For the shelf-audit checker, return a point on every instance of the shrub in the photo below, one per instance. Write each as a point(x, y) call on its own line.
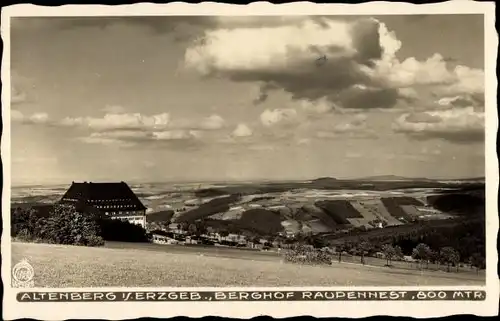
point(67, 226)
point(24, 235)
point(64, 225)
point(24, 220)
point(95, 240)
point(304, 254)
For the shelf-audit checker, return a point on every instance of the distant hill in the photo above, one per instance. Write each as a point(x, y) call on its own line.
point(419, 179)
point(324, 179)
point(325, 182)
point(470, 179)
point(394, 178)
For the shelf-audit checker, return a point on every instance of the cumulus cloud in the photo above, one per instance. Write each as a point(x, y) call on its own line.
point(130, 138)
point(33, 119)
point(138, 121)
point(120, 121)
point(460, 101)
point(211, 123)
point(242, 130)
point(284, 117)
point(176, 135)
point(131, 129)
point(361, 70)
point(285, 58)
point(459, 125)
point(137, 129)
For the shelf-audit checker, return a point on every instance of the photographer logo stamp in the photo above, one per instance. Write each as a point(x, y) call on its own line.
point(22, 275)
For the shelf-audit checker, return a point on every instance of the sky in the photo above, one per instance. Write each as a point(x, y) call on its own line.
point(152, 99)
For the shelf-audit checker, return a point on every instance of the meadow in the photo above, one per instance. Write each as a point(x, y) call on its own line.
point(115, 266)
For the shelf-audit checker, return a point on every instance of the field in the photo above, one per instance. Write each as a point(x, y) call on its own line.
point(320, 206)
point(126, 265)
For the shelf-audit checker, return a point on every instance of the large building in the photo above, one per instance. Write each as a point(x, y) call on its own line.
point(115, 200)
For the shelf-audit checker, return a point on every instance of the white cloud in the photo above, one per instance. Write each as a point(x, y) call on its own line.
point(212, 122)
point(249, 50)
point(362, 70)
point(125, 121)
point(286, 116)
point(175, 135)
point(126, 129)
point(242, 130)
point(39, 118)
point(457, 124)
point(138, 121)
point(130, 138)
point(33, 119)
point(95, 138)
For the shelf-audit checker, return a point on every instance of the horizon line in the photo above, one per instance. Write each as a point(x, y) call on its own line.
point(262, 180)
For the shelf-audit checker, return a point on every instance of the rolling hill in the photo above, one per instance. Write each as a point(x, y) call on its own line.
point(273, 212)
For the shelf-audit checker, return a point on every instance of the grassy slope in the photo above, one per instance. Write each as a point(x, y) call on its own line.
point(67, 266)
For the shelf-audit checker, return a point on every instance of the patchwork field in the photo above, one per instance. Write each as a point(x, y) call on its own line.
point(324, 206)
point(149, 266)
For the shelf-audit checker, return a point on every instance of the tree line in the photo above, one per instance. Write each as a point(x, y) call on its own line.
point(423, 254)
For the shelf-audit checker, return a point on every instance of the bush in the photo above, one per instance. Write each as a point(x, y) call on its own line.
point(24, 235)
point(64, 225)
point(23, 220)
point(95, 240)
point(67, 226)
point(304, 254)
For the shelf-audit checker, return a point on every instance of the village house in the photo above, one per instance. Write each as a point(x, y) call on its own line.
point(162, 239)
point(115, 200)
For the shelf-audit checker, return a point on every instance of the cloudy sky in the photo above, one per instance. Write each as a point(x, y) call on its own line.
point(245, 98)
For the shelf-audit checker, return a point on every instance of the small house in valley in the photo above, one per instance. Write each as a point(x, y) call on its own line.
point(115, 200)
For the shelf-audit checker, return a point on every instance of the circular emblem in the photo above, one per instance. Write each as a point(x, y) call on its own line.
point(23, 272)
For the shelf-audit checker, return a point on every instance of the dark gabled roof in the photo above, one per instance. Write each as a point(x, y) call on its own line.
point(103, 193)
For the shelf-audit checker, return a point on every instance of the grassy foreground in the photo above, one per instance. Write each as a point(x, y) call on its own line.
point(70, 266)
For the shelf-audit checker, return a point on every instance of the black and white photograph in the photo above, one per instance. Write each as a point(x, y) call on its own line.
point(249, 151)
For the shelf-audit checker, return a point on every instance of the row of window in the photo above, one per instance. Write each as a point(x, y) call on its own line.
point(123, 213)
point(135, 219)
point(139, 221)
point(111, 200)
point(115, 206)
